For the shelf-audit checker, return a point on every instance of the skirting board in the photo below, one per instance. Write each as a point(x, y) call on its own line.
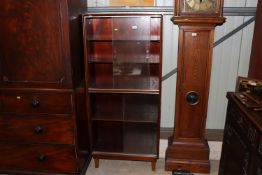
point(210, 134)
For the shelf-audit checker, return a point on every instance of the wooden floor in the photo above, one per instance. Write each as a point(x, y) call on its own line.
point(115, 167)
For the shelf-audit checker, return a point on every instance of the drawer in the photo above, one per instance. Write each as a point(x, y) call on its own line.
point(33, 102)
point(45, 158)
point(20, 128)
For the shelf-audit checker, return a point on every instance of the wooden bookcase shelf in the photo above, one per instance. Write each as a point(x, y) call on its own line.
point(123, 61)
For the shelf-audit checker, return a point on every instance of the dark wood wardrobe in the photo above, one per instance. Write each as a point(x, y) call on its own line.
point(43, 126)
point(256, 53)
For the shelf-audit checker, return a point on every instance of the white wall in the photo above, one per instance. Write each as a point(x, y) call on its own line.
point(170, 51)
point(230, 59)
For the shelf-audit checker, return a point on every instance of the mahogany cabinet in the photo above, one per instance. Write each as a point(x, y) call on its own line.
point(242, 145)
point(43, 125)
point(123, 85)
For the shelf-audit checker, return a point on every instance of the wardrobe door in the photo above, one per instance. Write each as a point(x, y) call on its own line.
point(34, 47)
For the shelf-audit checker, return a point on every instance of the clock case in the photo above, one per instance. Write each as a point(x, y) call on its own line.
point(187, 148)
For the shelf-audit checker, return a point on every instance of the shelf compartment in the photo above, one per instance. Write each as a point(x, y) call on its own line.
point(100, 52)
point(136, 108)
point(131, 28)
point(99, 28)
point(147, 83)
point(141, 108)
point(107, 136)
point(140, 138)
point(124, 76)
point(108, 28)
point(101, 76)
point(107, 107)
point(125, 84)
point(136, 76)
point(125, 138)
point(124, 52)
point(136, 52)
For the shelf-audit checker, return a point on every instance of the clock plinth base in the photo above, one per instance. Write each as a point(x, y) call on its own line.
point(186, 155)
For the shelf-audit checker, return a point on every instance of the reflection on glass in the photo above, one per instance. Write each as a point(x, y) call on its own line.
point(124, 52)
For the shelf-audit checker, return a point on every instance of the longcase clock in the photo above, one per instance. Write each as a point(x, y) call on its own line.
point(188, 149)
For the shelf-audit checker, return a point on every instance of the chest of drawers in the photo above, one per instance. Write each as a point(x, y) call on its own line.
point(43, 122)
point(39, 132)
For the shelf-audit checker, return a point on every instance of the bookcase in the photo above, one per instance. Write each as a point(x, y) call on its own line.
point(123, 60)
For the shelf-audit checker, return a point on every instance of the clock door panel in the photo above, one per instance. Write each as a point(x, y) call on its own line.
point(193, 79)
point(32, 50)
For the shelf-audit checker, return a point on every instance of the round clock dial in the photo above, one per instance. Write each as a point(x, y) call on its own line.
point(200, 5)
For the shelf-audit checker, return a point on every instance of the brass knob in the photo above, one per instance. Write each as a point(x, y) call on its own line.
point(192, 98)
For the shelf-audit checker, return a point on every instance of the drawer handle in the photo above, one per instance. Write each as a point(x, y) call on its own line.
point(41, 158)
point(38, 130)
point(35, 103)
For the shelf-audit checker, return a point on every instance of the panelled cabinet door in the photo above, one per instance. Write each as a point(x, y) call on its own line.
point(33, 47)
point(193, 81)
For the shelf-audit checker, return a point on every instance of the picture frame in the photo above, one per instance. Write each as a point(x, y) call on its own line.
point(131, 2)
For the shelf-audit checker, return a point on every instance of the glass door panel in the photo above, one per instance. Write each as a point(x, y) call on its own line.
point(135, 28)
point(131, 52)
point(99, 28)
point(99, 52)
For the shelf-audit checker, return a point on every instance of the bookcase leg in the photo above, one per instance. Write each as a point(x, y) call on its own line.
point(96, 163)
point(153, 166)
